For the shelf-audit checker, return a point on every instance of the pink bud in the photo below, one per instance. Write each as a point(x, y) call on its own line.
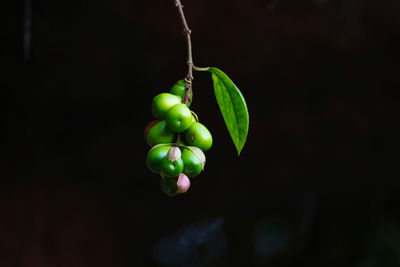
point(183, 183)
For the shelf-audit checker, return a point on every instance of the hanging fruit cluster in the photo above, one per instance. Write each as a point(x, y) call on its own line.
point(177, 139)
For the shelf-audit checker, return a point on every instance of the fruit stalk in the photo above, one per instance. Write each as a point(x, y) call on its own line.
point(187, 32)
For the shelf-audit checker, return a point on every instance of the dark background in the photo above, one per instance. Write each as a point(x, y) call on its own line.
point(317, 183)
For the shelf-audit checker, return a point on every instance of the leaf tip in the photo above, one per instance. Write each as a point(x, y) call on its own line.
point(239, 150)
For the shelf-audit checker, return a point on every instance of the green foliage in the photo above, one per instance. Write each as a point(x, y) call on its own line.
point(233, 107)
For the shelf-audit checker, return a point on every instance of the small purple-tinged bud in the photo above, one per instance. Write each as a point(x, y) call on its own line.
point(183, 183)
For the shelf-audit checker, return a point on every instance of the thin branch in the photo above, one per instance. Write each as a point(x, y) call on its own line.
point(189, 75)
point(187, 32)
point(200, 68)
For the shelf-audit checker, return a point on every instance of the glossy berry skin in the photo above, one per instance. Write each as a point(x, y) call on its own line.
point(171, 169)
point(192, 164)
point(179, 118)
point(181, 82)
point(163, 102)
point(180, 89)
point(155, 156)
point(160, 134)
point(148, 127)
point(169, 186)
point(198, 135)
point(193, 119)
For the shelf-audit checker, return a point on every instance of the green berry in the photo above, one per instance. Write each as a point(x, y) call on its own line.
point(180, 89)
point(198, 135)
point(160, 134)
point(181, 82)
point(171, 169)
point(192, 164)
point(179, 118)
point(169, 186)
point(163, 102)
point(154, 157)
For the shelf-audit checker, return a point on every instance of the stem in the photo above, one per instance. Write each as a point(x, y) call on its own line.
point(178, 140)
point(201, 69)
point(189, 76)
point(187, 32)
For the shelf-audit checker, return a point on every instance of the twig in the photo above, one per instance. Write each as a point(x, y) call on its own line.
point(189, 75)
point(187, 32)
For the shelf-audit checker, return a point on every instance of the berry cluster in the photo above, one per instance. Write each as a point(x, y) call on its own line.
point(177, 139)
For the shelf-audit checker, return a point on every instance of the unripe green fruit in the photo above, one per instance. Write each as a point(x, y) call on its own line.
point(181, 82)
point(163, 102)
point(148, 127)
point(169, 186)
point(198, 135)
point(171, 169)
point(193, 119)
point(160, 134)
point(180, 89)
point(179, 118)
point(192, 164)
point(154, 157)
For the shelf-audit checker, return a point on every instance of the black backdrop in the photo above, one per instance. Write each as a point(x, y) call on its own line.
point(316, 184)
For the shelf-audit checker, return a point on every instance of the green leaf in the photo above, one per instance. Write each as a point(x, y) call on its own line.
point(233, 107)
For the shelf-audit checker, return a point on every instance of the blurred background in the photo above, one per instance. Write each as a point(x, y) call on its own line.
point(317, 183)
